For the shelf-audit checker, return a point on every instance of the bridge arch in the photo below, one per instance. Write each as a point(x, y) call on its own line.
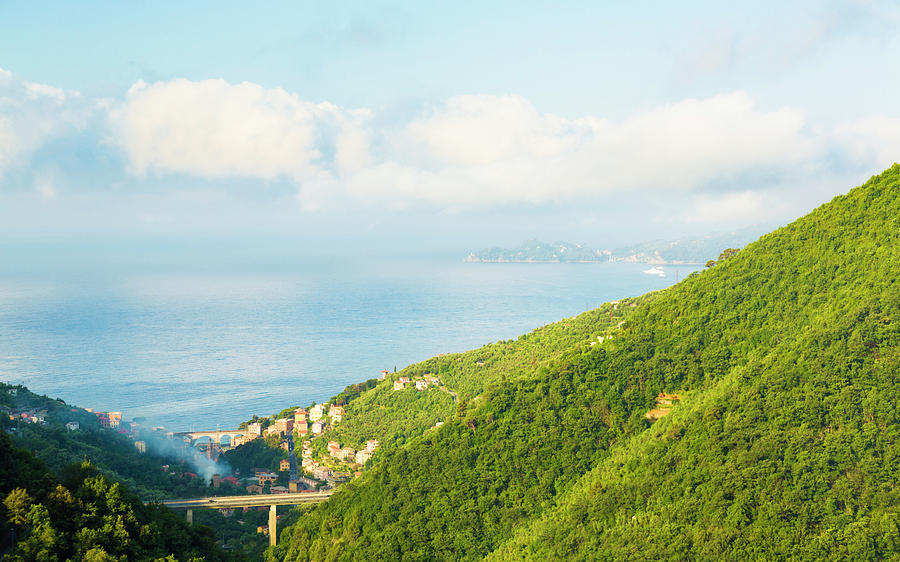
point(221, 437)
point(227, 439)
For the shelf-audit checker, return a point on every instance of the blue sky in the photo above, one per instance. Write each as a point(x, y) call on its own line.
point(431, 127)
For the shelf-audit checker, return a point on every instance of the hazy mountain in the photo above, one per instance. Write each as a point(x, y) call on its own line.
point(684, 250)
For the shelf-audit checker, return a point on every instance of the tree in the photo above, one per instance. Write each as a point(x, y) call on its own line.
point(18, 504)
point(727, 253)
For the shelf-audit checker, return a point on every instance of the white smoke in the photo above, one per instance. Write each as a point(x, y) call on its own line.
point(177, 449)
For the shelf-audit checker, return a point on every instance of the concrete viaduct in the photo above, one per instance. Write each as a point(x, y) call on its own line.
point(256, 500)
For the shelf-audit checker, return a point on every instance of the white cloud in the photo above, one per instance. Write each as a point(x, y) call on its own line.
point(483, 130)
point(214, 129)
point(35, 91)
point(32, 114)
point(494, 150)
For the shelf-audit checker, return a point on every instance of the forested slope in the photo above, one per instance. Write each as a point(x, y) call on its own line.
point(785, 357)
point(82, 515)
point(794, 452)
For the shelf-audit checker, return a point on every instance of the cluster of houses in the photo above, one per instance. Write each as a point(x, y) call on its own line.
point(32, 415)
point(107, 419)
point(311, 422)
point(421, 383)
point(315, 422)
point(349, 454)
point(39, 416)
point(338, 454)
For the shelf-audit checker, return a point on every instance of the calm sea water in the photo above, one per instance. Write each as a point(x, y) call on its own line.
point(192, 351)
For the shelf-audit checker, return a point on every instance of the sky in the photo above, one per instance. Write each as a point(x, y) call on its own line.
point(205, 132)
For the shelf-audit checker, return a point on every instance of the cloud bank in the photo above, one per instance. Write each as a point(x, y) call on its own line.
point(472, 151)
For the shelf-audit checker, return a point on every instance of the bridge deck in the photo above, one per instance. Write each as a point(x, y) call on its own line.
point(210, 432)
point(255, 500)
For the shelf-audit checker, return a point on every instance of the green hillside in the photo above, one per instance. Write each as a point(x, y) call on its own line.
point(396, 417)
point(782, 444)
point(82, 515)
point(792, 450)
point(37, 457)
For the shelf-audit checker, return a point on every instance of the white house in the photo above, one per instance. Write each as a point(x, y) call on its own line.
point(317, 412)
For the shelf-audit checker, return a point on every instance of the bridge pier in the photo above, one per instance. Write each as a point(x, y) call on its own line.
point(255, 500)
point(273, 521)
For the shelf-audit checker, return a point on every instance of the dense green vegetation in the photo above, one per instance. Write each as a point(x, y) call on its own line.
point(110, 453)
point(255, 454)
point(82, 515)
point(390, 416)
point(783, 445)
point(791, 448)
point(455, 493)
point(57, 450)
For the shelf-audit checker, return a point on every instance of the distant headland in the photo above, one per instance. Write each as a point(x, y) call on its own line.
point(659, 252)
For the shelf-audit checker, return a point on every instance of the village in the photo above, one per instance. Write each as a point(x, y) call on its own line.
point(339, 462)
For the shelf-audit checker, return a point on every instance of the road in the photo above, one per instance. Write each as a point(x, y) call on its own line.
point(252, 500)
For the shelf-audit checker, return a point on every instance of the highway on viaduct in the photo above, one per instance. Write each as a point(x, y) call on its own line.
point(255, 500)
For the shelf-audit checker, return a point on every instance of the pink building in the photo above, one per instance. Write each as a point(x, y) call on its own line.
point(284, 425)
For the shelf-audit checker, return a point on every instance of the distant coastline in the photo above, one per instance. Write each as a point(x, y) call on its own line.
point(650, 261)
point(685, 251)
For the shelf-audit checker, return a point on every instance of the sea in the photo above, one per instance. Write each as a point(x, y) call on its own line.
point(207, 350)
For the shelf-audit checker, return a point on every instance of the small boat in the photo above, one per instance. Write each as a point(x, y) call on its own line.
point(655, 271)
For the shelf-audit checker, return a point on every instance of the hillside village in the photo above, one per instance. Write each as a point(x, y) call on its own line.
point(322, 464)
